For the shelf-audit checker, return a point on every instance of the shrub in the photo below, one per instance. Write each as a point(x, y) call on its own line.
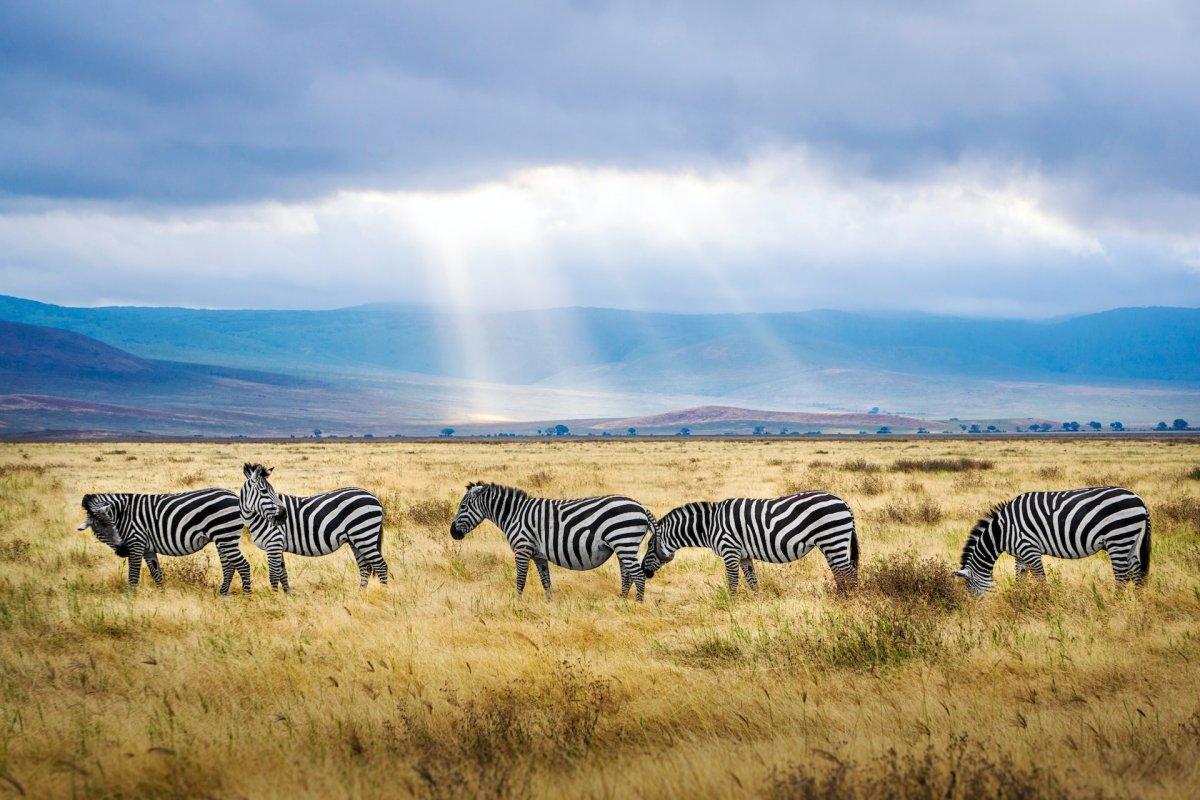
point(919, 511)
point(907, 578)
point(431, 513)
point(186, 570)
point(872, 485)
point(540, 479)
point(941, 465)
point(860, 465)
point(958, 771)
point(1182, 508)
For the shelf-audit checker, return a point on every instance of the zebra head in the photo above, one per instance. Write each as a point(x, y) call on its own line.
point(472, 510)
point(975, 567)
point(102, 519)
point(259, 498)
point(658, 551)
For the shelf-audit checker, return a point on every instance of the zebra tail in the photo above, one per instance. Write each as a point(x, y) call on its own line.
point(854, 546)
point(1144, 550)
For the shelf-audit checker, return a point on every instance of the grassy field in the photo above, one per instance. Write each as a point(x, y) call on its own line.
point(444, 684)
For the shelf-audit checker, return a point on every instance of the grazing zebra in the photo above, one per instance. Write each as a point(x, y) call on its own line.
point(576, 534)
point(1069, 524)
point(777, 530)
point(312, 526)
point(141, 527)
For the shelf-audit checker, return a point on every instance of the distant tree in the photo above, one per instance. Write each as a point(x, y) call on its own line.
point(685, 432)
point(1019, 429)
point(1116, 426)
point(976, 429)
point(874, 410)
point(1070, 426)
point(561, 430)
point(921, 431)
point(883, 430)
point(539, 431)
point(447, 431)
point(631, 431)
point(1162, 426)
point(1180, 425)
point(992, 429)
point(783, 431)
point(606, 433)
point(1095, 425)
point(368, 436)
point(759, 430)
point(317, 433)
point(963, 427)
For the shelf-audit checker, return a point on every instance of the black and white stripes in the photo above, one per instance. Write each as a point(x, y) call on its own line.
point(778, 530)
point(1069, 524)
point(576, 534)
point(141, 527)
point(312, 526)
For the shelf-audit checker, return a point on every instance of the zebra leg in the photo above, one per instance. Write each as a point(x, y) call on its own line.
point(837, 556)
point(732, 563)
point(543, 569)
point(1122, 562)
point(232, 561)
point(278, 570)
point(364, 567)
point(1032, 563)
point(748, 571)
point(380, 567)
point(522, 559)
point(135, 566)
point(155, 570)
point(631, 572)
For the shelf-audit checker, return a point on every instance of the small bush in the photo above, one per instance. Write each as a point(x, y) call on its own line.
point(919, 511)
point(431, 513)
point(872, 484)
point(907, 578)
point(1181, 508)
point(961, 770)
point(186, 570)
point(1050, 473)
point(860, 465)
point(540, 479)
point(190, 479)
point(1193, 474)
point(941, 465)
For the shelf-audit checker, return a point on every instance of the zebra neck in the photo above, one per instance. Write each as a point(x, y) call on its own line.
point(504, 510)
point(986, 548)
point(697, 533)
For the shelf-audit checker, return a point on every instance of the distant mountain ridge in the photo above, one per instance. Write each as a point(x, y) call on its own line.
point(1132, 364)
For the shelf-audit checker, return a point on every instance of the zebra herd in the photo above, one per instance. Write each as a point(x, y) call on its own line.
point(582, 534)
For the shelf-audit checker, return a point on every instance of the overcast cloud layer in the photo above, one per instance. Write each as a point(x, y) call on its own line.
point(946, 157)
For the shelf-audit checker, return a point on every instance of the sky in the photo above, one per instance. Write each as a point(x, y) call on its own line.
point(1003, 159)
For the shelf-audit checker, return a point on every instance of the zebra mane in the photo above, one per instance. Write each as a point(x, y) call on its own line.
point(498, 486)
point(977, 531)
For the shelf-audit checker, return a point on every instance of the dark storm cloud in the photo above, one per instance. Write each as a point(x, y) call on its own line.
point(186, 103)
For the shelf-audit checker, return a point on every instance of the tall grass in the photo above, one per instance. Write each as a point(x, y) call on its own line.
point(444, 684)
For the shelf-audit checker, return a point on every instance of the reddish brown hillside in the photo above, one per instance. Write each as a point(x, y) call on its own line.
point(702, 415)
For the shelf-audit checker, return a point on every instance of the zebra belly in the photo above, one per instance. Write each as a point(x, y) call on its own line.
point(185, 546)
point(587, 558)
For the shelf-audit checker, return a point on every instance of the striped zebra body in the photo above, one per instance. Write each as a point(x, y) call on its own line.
point(779, 530)
point(313, 526)
point(1069, 524)
point(576, 534)
point(141, 527)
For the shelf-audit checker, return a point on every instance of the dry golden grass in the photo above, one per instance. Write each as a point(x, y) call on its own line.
point(445, 685)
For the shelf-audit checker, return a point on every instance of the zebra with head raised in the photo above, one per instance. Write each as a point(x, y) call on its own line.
point(1070, 524)
point(141, 527)
point(576, 534)
point(312, 526)
point(779, 530)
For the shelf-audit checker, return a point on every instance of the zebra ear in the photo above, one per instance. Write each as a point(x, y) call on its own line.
point(247, 470)
point(267, 471)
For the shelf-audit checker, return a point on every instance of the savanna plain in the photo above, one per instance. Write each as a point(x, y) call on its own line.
point(445, 684)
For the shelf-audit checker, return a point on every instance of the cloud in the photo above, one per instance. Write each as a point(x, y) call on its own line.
point(780, 232)
point(1028, 158)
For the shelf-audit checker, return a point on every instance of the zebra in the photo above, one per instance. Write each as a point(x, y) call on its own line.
point(777, 530)
point(312, 526)
point(141, 527)
point(576, 534)
point(1068, 524)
